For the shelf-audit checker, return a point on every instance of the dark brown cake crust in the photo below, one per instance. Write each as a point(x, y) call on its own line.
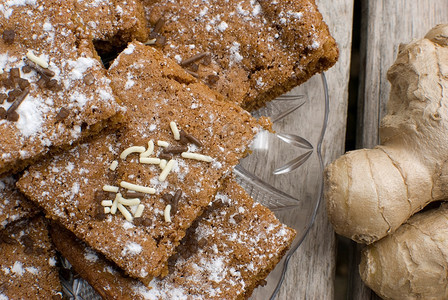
point(63, 91)
point(254, 50)
point(28, 262)
point(225, 254)
point(13, 205)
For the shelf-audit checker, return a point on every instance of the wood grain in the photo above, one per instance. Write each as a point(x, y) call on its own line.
point(311, 272)
point(385, 24)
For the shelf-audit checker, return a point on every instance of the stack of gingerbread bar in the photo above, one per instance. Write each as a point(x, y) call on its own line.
point(131, 164)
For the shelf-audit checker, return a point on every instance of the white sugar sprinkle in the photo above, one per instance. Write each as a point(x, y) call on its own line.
point(125, 212)
point(107, 203)
point(150, 160)
point(110, 188)
point(162, 144)
point(197, 156)
point(132, 149)
point(137, 188)
point(166, 170)
point(139, 211)
point(166, 213)
point(38, 60)
point(175, 130)
point(148, 151)
point(113, 166)
point(129, 202)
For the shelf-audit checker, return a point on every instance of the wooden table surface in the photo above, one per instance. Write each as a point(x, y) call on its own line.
point(384, 25)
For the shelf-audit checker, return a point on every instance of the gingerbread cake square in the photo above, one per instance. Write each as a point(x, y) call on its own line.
point(264, 48)
point(112, 21)
point(28, 262)
point(155, 176)
point(225, 255)
point(53, 88)
point(13, 205)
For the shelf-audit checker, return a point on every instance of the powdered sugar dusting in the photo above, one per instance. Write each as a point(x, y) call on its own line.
point(17, 268)
point(31, 118)
point(80, 66)
point(90, 255)
point(131, 249)
point(129, 49)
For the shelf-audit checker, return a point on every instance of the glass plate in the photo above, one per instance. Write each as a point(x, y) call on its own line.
point(284, 173)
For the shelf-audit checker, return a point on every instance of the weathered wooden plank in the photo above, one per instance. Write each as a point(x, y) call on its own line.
point(385, 24)
point(311, 272)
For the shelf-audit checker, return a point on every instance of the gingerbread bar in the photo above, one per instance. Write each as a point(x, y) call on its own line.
point(250, 51)
point(132, 195)
point(225, 255)
point(113, 21)
point(111, 24)
point(13, 205)
point(53, 88)
point(28, 262)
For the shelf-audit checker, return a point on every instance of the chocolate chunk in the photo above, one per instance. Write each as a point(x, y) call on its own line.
point(62, 114)
point(23, 83)
point(2, 113)
point(194, 67)
point(142, 222)
point(262, 282)
point(193, 59)
point(8, 83)
point(167, 197)
point(12, 95)
point(160, 41)
point(3, 97)
point(202, 243)
point(17, 102)
point(89, 79)
point(26, 69)
point(56, 297)
point(157, 28)
point(14, 74)
point(12, 116)
point(56, 88)
point(165, 156)
point(183, 138)
point(238, 218)
point(175, 149)
point(190, 138)
point(175, 201)
point(53, 85)
point(9, 36)
point(99, 214)
point(42, 82)
point(212, 79)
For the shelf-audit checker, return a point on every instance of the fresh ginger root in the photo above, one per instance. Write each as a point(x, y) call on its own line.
point(412, 263)
point(370, 193)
